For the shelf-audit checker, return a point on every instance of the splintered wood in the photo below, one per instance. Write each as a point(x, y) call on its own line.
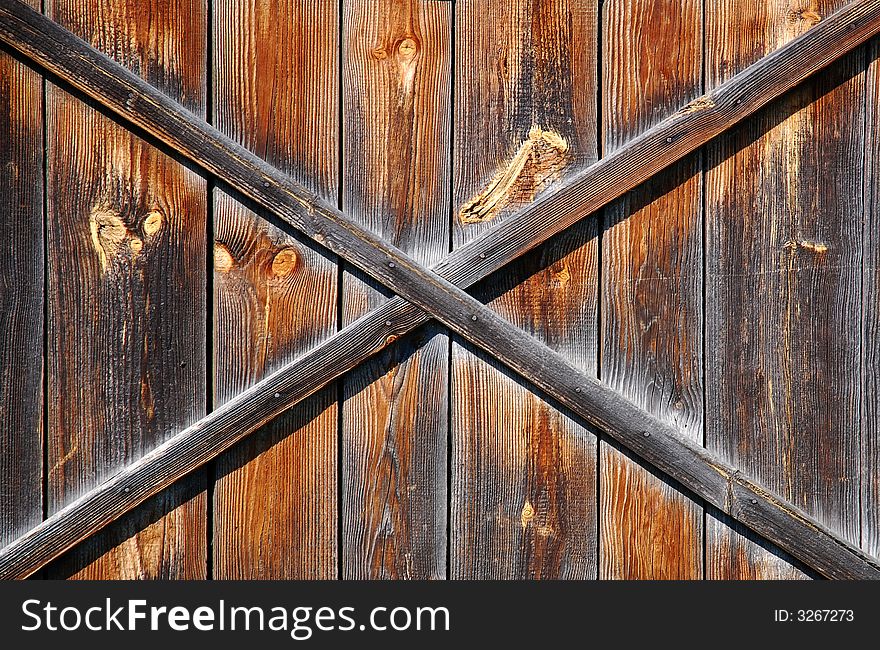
point(538, 161)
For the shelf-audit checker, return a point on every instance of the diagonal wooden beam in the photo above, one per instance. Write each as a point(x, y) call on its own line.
point(693, 466)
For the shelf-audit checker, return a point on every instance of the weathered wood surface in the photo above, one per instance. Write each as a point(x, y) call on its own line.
point(778, 522)
point(652, 289)
point(784, 300)
point(275, 86)
point(126, 279)
point(21, 297)
point(523, 491)
point(396, 101)
point(870, 478)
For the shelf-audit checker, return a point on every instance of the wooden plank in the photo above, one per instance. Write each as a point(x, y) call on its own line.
point(21, 297)
point(126, 256)
point(658, 443)
point(128, 96)
point(396, 99)
point(783, 284)
point(652, 289)
point(275, 87)
point(523, 472)
point(870, 479)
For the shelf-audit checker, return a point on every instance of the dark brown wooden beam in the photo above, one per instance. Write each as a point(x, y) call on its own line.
point(698, 470)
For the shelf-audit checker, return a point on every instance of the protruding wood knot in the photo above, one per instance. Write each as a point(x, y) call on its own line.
point(110, 235)
point(223, 260)
point(284, 262)
point(537, 162)
point(379, 53)
point(407, 49)
point(527, 514)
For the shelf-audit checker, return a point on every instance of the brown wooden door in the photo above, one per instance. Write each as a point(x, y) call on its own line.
point(164, 292)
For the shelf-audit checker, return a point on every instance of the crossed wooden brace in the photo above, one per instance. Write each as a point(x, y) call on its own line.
point(438, 292)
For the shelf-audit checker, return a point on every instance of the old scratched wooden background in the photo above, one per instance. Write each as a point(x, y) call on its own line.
point(734, 295)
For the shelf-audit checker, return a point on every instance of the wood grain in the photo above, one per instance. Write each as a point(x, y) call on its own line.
point(396, 99)
point(523, 472)
point(126, 256)
point(21, 297)
point(870, 461)
point(784, 253)
point(660, 444)
point(275, 91)
point(652, 289)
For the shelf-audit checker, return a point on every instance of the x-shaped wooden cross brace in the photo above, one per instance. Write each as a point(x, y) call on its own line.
point(438, 293)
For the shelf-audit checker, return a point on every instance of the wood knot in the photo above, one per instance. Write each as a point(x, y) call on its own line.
point(808, 14)
point(537, 162)
point(223, 260)
point(527, 514)
point(284, 262)
point(109, 234)
point(817, 247)
point(407, 48)
point(561, 278)
point(379, 53)
point(152, 223)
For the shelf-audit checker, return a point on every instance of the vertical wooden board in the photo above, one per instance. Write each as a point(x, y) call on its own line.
point(784, 247)
point(126, 255)
point(523, 493)
point(275, 85)
point(396, 99)
point(870, 478)
point(21, 297)
point(652, 289)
